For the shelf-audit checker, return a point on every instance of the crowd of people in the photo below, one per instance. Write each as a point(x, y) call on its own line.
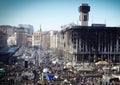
point(35, 74)
point(70, 75)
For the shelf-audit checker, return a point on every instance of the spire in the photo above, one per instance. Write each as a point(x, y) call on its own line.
point(40, 29)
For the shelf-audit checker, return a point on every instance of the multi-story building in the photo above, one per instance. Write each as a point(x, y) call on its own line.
point(49, 40)
point(36, 39)
point(3, 37)
point(45, 40)
point(12, 40)
point(90, 43)
point(53, 39)
point(28, 28)
point(10, 30)
point(29, 40)
point(59, 50)
point(21, 37)
point(28, 34)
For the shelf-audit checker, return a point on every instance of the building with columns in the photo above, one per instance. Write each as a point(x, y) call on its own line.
point(91, 43)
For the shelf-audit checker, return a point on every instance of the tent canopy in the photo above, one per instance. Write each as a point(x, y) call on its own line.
point(2, 70)
point(50, 77)
point(101, 63)
point(45, 70)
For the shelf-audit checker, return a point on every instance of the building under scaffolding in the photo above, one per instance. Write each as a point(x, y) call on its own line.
point(91, 43)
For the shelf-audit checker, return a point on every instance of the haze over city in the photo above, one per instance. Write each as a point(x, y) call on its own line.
point(52, 14)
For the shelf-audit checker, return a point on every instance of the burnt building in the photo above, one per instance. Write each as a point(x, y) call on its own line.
point(91, 43)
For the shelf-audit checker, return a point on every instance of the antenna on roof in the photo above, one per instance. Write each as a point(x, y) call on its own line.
point(105, 21)
point(77, 22)
point(92, 19)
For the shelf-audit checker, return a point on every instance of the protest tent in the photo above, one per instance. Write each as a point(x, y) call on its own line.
point(101, 63)
point(45, 70)
point(50, 77)
point(2, 70)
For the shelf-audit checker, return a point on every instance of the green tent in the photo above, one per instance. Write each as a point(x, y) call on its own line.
point(2, 70)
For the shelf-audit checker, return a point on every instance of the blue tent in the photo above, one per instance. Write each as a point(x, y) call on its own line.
point(50, 77)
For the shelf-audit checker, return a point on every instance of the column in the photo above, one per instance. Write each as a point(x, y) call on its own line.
point(111, 43)
point(73, 59)
point(76, 45)
point(105, 43)
point(117, 44)
point(98, 41)
point(80, 44)
point(119, 58)
point(76, 58)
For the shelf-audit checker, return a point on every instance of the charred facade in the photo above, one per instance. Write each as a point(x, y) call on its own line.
point(91, 43)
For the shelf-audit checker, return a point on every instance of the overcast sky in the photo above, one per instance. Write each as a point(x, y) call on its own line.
point(52, 14)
